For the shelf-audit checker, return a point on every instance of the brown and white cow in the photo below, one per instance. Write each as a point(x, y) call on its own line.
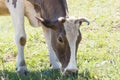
point(62, 33)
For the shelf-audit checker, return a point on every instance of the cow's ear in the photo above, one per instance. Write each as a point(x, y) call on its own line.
point(80, 20)
point(47, 23)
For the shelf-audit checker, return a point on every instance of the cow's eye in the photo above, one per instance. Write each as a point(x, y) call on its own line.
point(60, 40)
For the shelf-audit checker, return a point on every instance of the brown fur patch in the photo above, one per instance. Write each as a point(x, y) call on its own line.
point(14, 3)
point(22, 41)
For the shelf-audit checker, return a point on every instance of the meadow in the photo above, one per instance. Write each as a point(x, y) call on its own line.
point(98, 55)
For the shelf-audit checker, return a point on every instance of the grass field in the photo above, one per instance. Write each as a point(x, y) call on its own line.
point(98, 53)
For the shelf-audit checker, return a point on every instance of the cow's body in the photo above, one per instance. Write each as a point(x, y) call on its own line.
point(62, 35)
point(29, 11)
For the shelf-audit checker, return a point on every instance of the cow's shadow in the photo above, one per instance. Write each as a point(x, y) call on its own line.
point(42, 75)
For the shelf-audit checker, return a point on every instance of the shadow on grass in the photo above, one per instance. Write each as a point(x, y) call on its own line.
point(43, 75)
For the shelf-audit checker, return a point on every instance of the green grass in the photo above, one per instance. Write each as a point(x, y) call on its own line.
point(98, 53)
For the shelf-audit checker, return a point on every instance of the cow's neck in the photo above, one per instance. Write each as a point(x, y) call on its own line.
point(52, 9)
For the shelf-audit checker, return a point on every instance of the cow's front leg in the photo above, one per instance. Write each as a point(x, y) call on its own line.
point(53, 58)
point(17, 13)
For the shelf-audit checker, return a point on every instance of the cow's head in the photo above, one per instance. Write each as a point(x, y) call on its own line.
point(66, 37)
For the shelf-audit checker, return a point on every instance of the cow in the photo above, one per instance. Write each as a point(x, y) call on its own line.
point(61, 32)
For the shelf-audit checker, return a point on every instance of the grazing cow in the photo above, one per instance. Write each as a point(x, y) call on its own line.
point(61, 32)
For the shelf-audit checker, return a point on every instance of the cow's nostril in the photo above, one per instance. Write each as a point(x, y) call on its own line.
point(71, 72)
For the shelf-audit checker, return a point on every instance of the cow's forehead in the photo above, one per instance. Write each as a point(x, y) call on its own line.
point(71, 29)
point(70, 26)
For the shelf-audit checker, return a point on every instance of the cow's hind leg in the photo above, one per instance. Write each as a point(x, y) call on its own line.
point(17, 13)
point(53, 58)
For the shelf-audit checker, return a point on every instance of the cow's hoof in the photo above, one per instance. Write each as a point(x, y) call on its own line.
point(22, 71)
point(70, 72)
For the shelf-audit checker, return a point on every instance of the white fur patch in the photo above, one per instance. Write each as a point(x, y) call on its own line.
point(17, 14)
point(71, 34)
